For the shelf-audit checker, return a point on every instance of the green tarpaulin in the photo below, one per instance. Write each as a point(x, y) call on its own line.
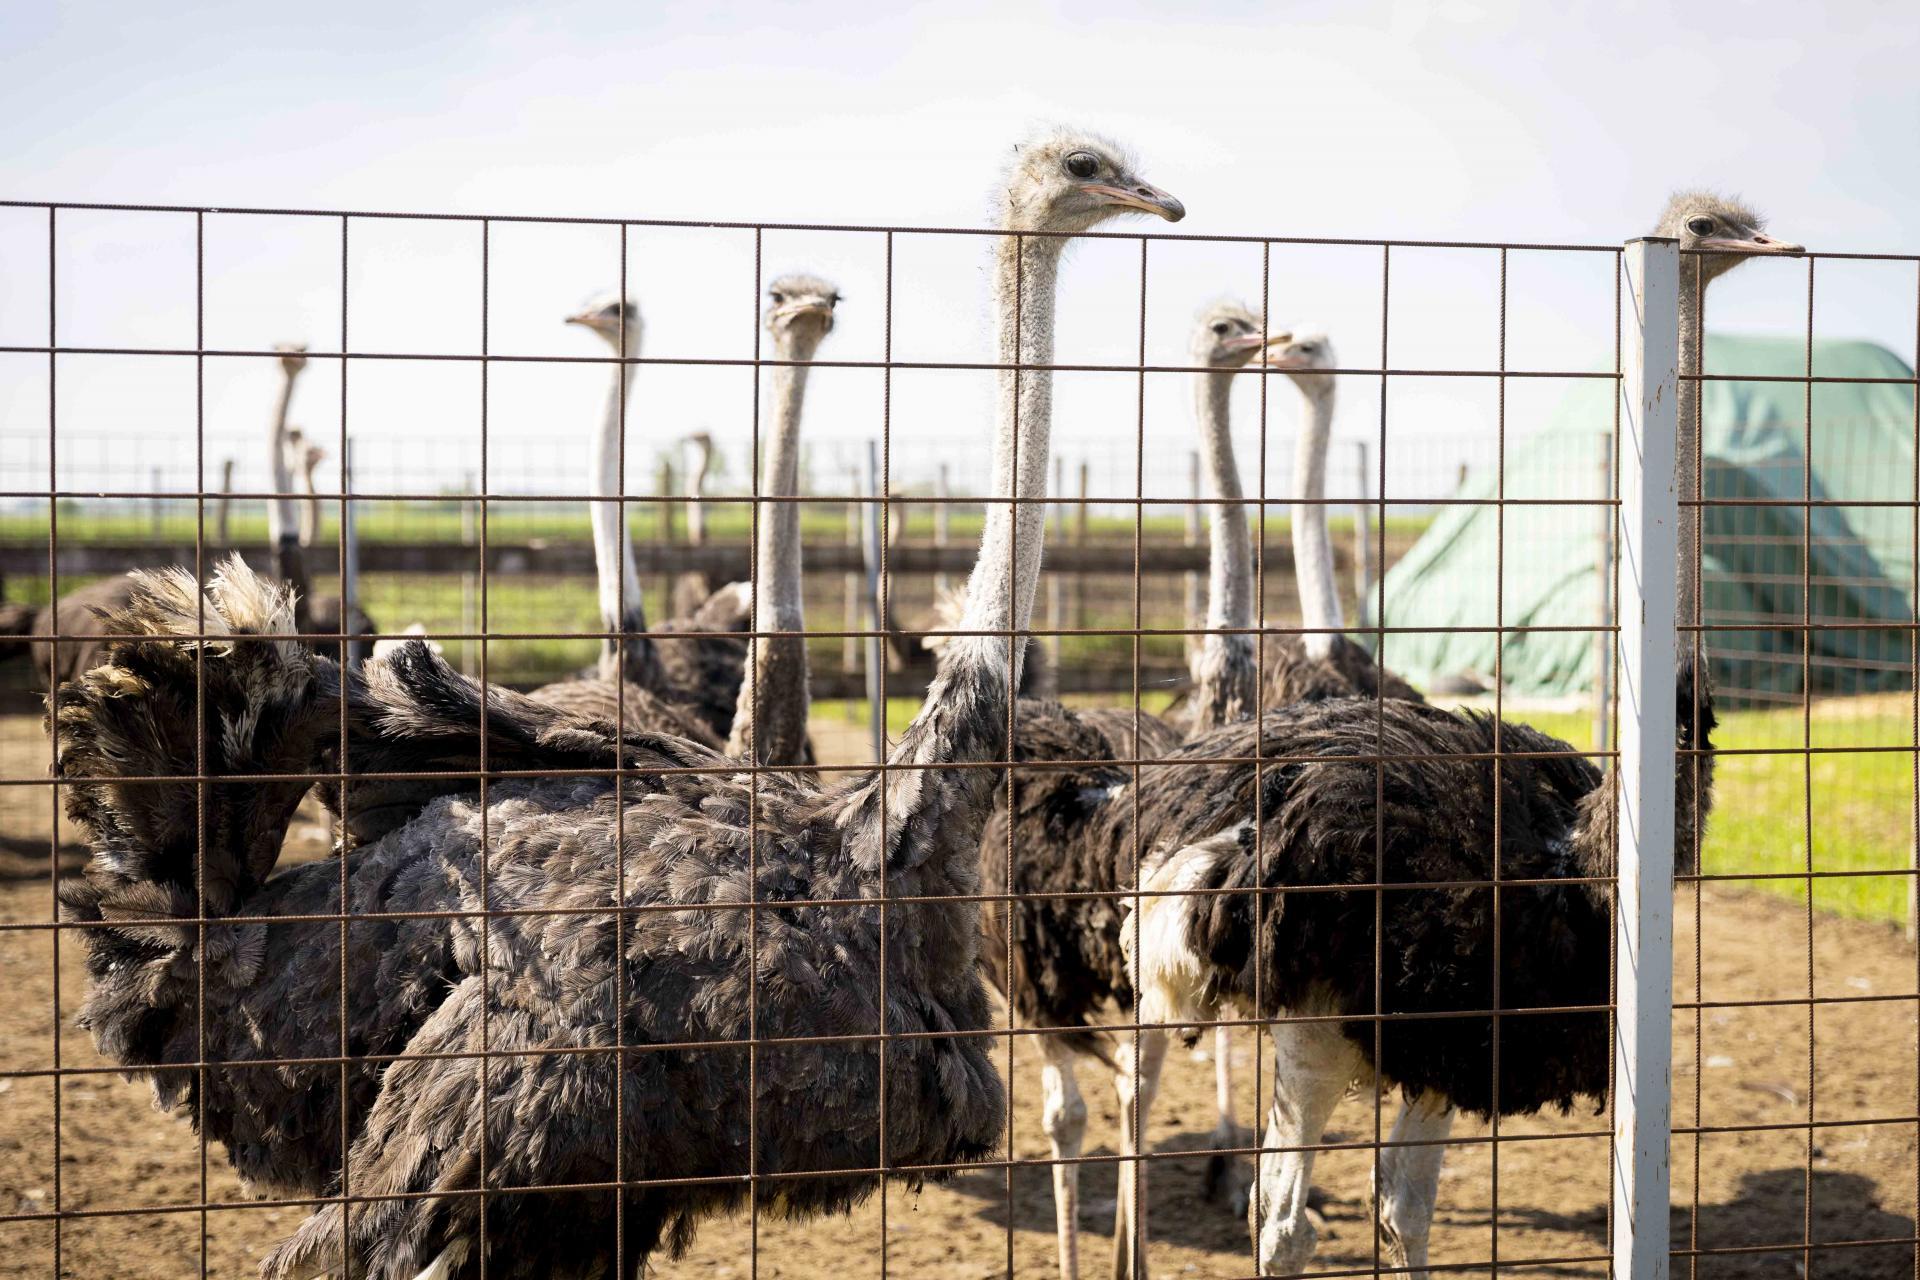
point(1861, 563)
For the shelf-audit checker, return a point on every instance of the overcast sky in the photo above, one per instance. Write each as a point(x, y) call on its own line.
point(1415, 121)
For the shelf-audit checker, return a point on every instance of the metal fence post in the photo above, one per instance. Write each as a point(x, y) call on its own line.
point(1643, 922)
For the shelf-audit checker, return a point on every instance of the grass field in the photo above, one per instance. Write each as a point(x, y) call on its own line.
point(176, 520)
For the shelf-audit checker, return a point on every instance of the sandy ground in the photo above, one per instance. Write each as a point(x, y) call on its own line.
point(1542, 1200)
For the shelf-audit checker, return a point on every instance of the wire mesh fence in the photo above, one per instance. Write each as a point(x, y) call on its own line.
point(801, 959)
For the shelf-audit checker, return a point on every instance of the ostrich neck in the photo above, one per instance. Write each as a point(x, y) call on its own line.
point(1312, 544)
point(1001, 590)
point(282, 520)
point(1226, 679)
point(1687, 446)
point(772, 710)
point(619, 578)
point(912, 817)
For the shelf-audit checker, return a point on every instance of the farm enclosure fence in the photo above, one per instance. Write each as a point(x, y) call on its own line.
point(467, 502)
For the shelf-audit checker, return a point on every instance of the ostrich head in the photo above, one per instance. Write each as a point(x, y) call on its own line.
point(1702, 220)
point(293, 356)
point(1225, 336)
point(1071, 181)
point(1306, 354)
point(605, 316)
point(800, 311)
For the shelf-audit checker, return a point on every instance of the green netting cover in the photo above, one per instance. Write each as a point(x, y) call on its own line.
point(1861, 570)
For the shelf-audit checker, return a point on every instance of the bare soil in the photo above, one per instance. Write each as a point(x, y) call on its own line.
point(97, 1147)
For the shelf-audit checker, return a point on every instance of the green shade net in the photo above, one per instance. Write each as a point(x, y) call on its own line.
point(1759, 559)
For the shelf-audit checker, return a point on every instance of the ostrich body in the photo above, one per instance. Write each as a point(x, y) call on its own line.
point(1326, 815)
point(1321, 662)
point(1068, 967)
point(694, 833)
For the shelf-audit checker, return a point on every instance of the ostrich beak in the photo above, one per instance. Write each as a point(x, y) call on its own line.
point(1758, 242)
point(1282, 361)
point(804, 307)
point(1140, 196)
point(583, 317)
point(1248, 342)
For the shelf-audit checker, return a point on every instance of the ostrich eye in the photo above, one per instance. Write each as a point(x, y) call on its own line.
point(778, 297)
point(1221, 330)
point(1083, 164)
point(1701, 226)
point(1311, 348)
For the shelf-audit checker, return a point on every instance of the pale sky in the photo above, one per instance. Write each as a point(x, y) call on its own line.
point(1414, 121)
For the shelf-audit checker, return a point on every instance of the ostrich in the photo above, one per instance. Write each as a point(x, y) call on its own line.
point(1066, 953)
point(438, 982)
point(288, 531)
point(307, 457)
point(692, 589)
point(770, 724)
point(691, 687)
point(1320, 662)
point(1328, 816)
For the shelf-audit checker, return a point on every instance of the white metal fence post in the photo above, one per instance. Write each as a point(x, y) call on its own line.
point(1643, 922)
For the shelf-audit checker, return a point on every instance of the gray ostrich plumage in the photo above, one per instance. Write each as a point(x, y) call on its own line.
point(694, 834)
point(1068, 966)
point(1327, 815)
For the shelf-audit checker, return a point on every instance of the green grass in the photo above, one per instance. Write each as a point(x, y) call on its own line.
point(1861, 801)
point(178, 521)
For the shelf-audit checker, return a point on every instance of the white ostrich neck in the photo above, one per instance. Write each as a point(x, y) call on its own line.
point(1687, 448)
point(1312, 544)
point(1226, 675)
point(620, 606)
point(1000, 592)
point(771, 712)
point(910, 818)
point(777, 548)
point(282, 519)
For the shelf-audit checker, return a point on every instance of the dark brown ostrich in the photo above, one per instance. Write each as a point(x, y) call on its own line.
point(1326, 815)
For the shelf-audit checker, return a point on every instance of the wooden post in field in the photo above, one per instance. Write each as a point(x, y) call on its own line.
point(850, 615)
point(1196, 601)
point(153, 505)
point(669, 524)
point(223, 510)
point(943, 490)
point(1080, 533)
point(1363, 571)
point(1053, 579)
point(470, 579)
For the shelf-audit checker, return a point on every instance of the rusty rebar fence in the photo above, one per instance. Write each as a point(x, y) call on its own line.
point(1528, 1193)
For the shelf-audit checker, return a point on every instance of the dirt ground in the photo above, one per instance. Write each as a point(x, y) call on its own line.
point(1751, 1189)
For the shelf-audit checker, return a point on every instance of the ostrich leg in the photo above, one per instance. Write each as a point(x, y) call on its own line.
point(1312, 1066)
point(1064, 1114)
point(1407, 1181)
point(1136, 1103)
